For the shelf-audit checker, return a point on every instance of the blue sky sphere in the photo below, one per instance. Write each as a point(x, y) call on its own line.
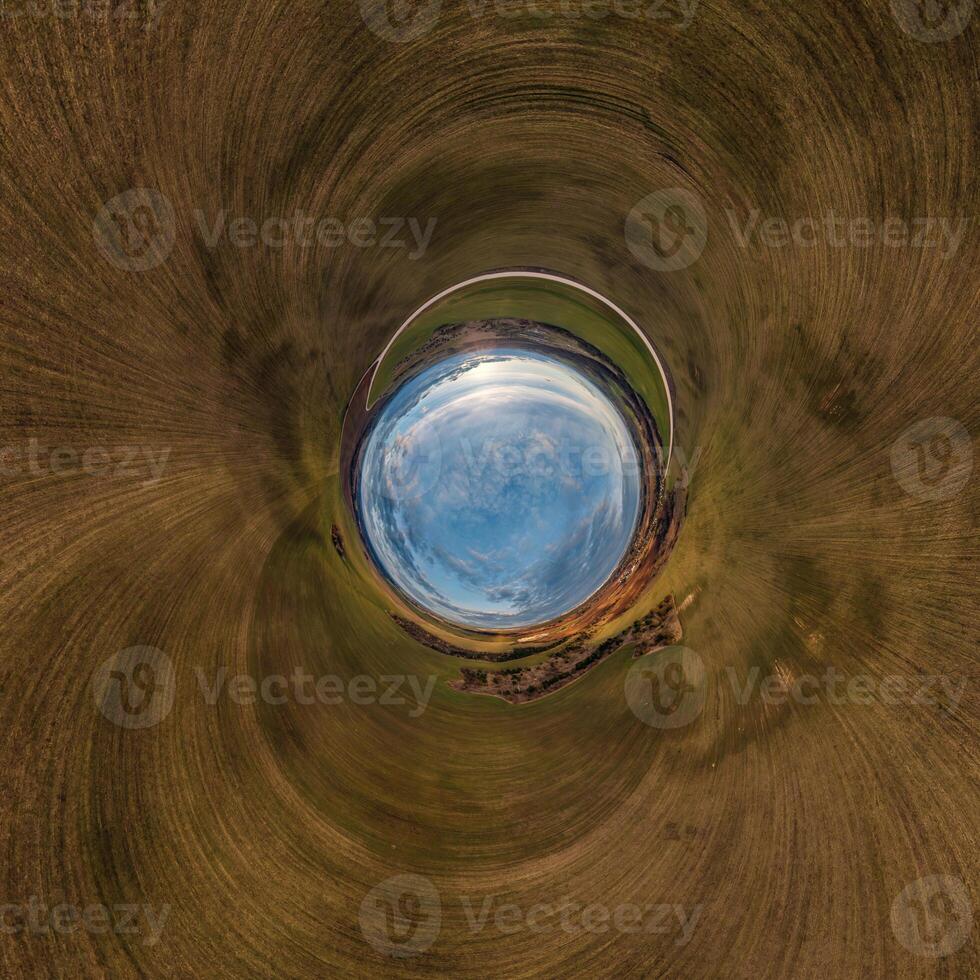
point(499, 488)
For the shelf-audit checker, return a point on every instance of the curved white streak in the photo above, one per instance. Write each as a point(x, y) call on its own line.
point(552, 277)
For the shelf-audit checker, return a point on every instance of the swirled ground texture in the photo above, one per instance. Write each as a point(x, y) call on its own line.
point(175, 366)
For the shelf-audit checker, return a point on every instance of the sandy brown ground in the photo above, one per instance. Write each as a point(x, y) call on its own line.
point(262, 828)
